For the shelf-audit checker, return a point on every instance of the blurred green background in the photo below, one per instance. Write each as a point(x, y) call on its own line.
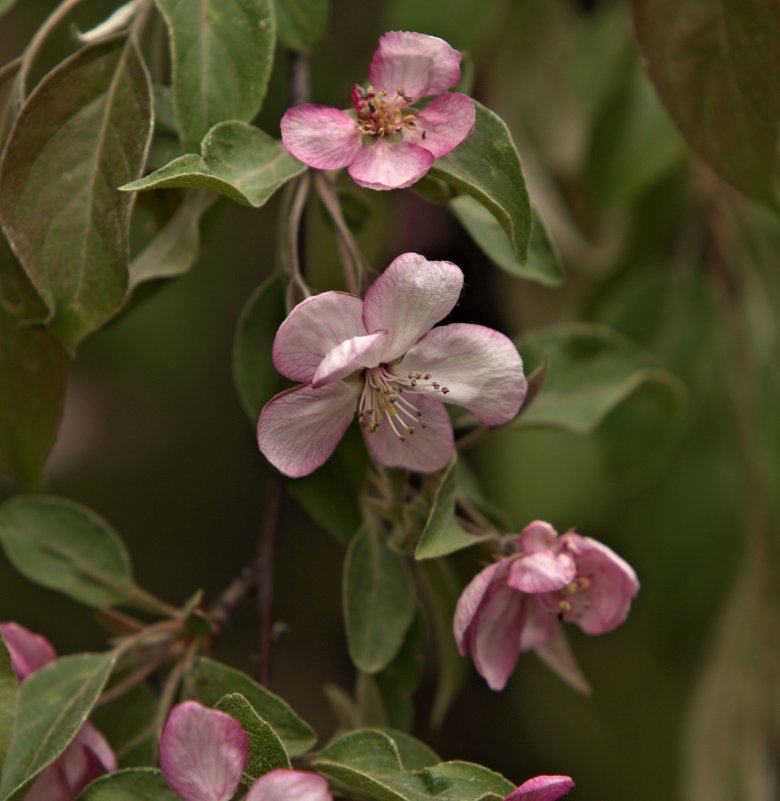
point(155, 439)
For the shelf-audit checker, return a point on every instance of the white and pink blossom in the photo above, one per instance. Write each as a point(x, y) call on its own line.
point(542, 788)
point(382, 358)
point(384, 141)
point(513, 605)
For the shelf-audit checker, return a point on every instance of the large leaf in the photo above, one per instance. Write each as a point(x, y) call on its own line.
point(7, 109)
point(378, 602)
point(222, 52)
point(67, 547)
point(715, 65)
point(82, 133)
point(590, 370)
point(397, 683)
point(301, 23)
point(210, 681)
point(134, 784)
point(487, 167)
point(237, 160)
point(8, 699)
point(53, 704)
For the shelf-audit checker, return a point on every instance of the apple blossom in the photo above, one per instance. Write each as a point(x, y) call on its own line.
point(385, 142)
point(511, 606)
point(542, 788)
point(203, 753)
point(87, 756)
point(382, 357)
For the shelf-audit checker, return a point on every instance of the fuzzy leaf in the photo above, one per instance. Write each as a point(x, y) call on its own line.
point(133, 784)
point(8, 699)
point(237, 160)
point(222, 53)
point(83, 132)
point(301, 23)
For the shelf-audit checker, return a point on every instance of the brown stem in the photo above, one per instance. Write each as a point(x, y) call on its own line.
point(264, 575)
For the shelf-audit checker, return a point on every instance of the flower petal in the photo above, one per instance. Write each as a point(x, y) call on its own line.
point(29, 651)
point(203, 752)
point(429, 448)
point(363, 351)
point(320, 136)
point(409, 297)
point(312, 329)
point(480, 367)
point(537, 626)
point(289, 785)
point(470, 600)
point(414, 63)
point(90, 738)
point(542, 788)
point(536, 536)
point(390, 165)
point(445, 122)
point(544, 571)
point(299, 428)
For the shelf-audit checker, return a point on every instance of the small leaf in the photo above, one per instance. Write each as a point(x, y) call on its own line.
point(713, 63)
point(237, 160)
point(591, 370)
point(301, 23)
point(83, 132)
point(53, 704)
point(487, 167)
point(543, 263)
point(378, 602)
point(210, 681)
point(133, 784)
point(266, 751)
point(176, 246)
point(442, 533)
point(66, 547)
point(222, 53)
point(8, 699)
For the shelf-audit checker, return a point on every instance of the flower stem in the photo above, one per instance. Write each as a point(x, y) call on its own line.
point(264, 575)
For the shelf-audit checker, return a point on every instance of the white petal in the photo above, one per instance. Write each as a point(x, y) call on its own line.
point(365, 351)
point(410, 296)
point(390, 165)
point(322, 137)
point(289, 785)
point(480, 368)
point(446, 122)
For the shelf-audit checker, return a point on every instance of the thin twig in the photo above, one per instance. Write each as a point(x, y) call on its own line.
point(295, 236)
point(232, 595)
point(264, 575)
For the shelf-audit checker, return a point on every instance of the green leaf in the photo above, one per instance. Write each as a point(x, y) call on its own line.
point(378, 601)
point(543, 263)
point(134, 784)
point(266, 751)
point(53, 704)
point(8, 699)
point(210, 681)
point(83, 132)
point(222, 53)
point(8, 75)
point(66, 547)
point(255, 376)
point(414, 753)
point(714, 64)
point(487, 167)
point(591, 370)
point(176, 246)
point(6, 5)
point(301, 23)
point(442, 533)
point(398, 681)
point(129, 725)
point(237, 160)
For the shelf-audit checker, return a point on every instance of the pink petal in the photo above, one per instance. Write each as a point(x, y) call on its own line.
point(320, 136)
point(390, 165)
point(410, 296)
point(350, 355)
point(446, 122)
point(470, 600)
point(90, 738)
point(414, 63)
point(29, 651)
point(51, 785)
point(542, 788)
point(480, 367)
point(312, 329)
point(536, 536)
point(289, 785)
point(542, 572)
point(300, 428)
point(537, 624)
point(203, 753)
point(428, 449)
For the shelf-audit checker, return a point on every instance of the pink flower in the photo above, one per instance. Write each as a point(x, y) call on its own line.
point(87, 756)
point(385, 142)
point(542, 788)
point(381, 356)
point(511, 606)
point(203, 753)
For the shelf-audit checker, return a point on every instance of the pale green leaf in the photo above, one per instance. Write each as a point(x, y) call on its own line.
point(8, 699)
point(6, 5)
point(237, 160)
point(133, 784)
point(301, 23)
point(414, 753)
point(222, 53)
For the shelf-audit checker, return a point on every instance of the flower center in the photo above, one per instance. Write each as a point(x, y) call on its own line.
point(380, 114)
point(573, 597)
point(383, 400)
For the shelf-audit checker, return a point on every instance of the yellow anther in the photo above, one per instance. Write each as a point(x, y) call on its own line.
point(564, 606)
